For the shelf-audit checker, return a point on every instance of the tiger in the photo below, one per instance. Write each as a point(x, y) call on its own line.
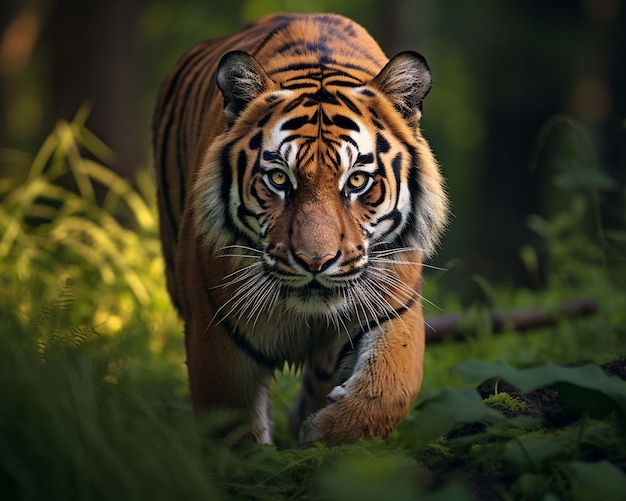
point(298, 201)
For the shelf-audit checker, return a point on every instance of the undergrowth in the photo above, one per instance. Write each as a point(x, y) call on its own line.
point(95, 401)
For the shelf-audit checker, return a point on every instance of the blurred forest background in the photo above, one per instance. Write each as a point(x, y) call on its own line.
point(529, 96)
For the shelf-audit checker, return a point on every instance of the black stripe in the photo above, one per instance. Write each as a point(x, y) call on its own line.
point(316, 65)
point(352, 260)
point(307, 383)
point(355, 341)
point(342, 83)
point(256, 140)
point(271, 35)
point(365, 158)
point(227, 182)
point(351, 345)
point(294, 67)
point(295, 123)
point(240, 340)
point(323, 96)
point(264, 120)
point(292, 137)
point(330, 140)
point(272, 157)
point(345, 123)
point(395, 216)
point(338, 72)
point(348, 139)
point(242, 165)
point(304, 156)
point(293, 104)
point(382, 145)
point(414, 190)
point(165, 196)
point(349, 103)
point(321, 374)
point(244, 344)
point(288, 46)
point(380, 199)
point(347, 274)
point(172, 97)
point(303, 85)
point(396, 166)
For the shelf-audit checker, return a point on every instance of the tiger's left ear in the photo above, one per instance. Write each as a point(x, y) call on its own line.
point(240, 79)
point(405, 80)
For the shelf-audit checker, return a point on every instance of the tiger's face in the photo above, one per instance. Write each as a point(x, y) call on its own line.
point(329, 189)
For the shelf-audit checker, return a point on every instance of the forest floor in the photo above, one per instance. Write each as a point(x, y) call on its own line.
point(541, 403)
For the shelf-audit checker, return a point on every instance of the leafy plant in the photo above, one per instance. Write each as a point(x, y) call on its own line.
point(72, 218)
point(587, 387)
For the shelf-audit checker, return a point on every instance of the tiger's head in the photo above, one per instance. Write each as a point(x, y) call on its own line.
point(321, 187)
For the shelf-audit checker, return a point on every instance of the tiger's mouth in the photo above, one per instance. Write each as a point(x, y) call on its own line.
point(314, 290)
point(314, 285)
point(313, 296)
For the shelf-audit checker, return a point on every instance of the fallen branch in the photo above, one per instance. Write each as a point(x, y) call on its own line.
point(456, 326)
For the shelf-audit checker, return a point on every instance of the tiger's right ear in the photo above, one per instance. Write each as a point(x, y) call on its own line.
point(405, 80)
point(240, 79)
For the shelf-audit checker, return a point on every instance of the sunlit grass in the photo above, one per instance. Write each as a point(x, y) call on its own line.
point(73, 218)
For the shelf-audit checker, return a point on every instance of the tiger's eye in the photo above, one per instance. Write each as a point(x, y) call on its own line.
point(278, 177)
point(357, 180)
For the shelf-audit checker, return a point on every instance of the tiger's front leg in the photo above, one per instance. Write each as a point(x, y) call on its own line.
point(223, 377)
point(226, 373)
point(386, 378)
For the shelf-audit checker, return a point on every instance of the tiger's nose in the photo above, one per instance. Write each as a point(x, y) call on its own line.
point(315, 264)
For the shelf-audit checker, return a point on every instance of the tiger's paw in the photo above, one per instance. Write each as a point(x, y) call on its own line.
point(348, 418)
point(325, 426)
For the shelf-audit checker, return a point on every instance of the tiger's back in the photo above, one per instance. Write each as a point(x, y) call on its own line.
point(300, 149)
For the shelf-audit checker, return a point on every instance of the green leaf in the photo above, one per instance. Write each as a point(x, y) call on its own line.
point(584, 177)
point(388, 476)
point(371, 479)
point(601, 480)
point(527, 453)
point(529, 483)
point(587, 388)
point(441, 413)
point(453, 490)
point(595, 402)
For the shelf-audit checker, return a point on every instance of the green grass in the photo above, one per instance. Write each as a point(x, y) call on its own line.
point(94, 395)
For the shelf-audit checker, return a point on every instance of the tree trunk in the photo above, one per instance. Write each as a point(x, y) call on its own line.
point(94, 61)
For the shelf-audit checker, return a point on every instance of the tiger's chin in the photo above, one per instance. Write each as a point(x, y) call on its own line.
point(314, 300)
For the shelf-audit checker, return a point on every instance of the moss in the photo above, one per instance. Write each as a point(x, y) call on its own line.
point(505, 402)
point(436, 453)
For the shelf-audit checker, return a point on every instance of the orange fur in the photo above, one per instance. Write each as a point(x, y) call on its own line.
point(297, 201)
